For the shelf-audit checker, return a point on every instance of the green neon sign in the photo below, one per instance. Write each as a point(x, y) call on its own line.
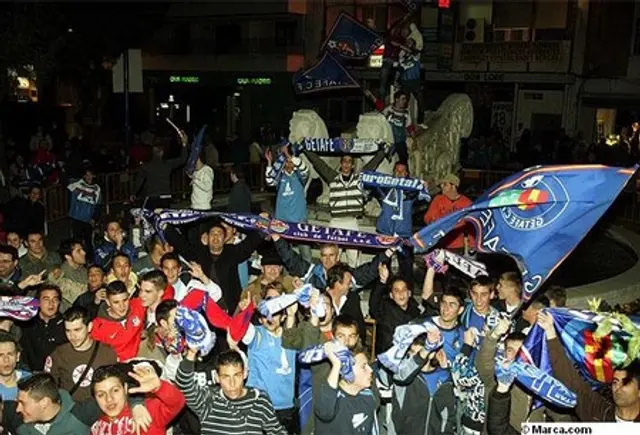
point(256, 81)
point(184, 79)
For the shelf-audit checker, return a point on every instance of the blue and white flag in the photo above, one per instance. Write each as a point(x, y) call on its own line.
point(195, 329)
point(327, 74)
point(270, 307)
point(537, 216)
point(403, 337)
point(316, 354)
point(350, 39)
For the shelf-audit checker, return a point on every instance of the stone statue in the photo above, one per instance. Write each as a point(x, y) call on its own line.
point(373, 125)
point(435, 151)
point(307, 123)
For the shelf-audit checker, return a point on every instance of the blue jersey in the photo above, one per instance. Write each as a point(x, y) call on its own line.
point(84, 200)
point(453, 340)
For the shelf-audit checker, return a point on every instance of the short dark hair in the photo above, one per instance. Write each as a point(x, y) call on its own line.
point(515, 336)
point(336, 274)
point(512, 277)
point(169, 256)
point(396, 279)
point(229, 358)
point(95, 266)
point(540, 302)
point(66, 247)
point(153, 241)
point(633, 370)
point(77, 312)
point(218, 224)
point(454, 292)
point(111, 218)
point(105, 372)
point(48, 287)
point(238, 172)
point(116, 287)
point(399, 94)
point(558, 295)
point(5, 337)
point(157, 278)
point(9, 250)
point(39, 386)
point(164, 308)
point(346, 321)
point(120, 254)
point(482, 281)
point(35, 232)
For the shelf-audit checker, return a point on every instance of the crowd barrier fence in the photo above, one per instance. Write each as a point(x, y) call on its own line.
point(117, 187)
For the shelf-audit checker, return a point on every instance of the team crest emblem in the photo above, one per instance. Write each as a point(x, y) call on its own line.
point(278, 226)
point(533, 204)
point(386, 240)
point(135, 321)
point(347, 145)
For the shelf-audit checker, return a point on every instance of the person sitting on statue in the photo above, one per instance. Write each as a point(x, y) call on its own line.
point(346, 197)
point(401, 124)
point(410, 71)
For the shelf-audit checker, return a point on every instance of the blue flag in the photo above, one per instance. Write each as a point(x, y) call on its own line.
point(350, 39)
point(196, 148)
point(325, 75)
point(537, 216)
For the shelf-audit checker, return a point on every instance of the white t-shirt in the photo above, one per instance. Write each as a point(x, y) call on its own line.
point(202, 188)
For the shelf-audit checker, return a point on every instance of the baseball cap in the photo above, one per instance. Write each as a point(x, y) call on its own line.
point(451, 178)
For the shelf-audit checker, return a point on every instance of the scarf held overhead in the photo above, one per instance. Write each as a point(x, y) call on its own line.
point(403, 337)
point(339, 145)
point(316, 354)
point(269, 307)
point(372, 179)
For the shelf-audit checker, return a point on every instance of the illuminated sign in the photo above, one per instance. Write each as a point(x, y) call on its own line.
point(375, 60)
point(257, 81)
point(444, 4)
point(184, 79)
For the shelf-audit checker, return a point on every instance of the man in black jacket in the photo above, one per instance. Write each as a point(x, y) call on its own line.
point(219, 261)
point(339, 280)
point(43, 333)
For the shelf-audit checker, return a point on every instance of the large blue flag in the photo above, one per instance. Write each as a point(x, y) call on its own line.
point(350, 39)
point(537, 216)
point(196, 149)
point(325, 75)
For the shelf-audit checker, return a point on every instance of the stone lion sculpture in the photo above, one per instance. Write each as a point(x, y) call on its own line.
point(435, 151)
point(373, 125)
point(307, 123)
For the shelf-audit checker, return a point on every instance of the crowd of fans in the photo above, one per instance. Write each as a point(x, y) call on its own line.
point(105, 352)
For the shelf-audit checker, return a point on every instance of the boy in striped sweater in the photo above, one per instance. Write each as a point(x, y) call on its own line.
point(230, 408)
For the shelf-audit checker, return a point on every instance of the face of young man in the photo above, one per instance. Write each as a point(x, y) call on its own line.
point(506, 289)
point(49, 303)
point(121, 268)
point(481, 298)
point(450, 308)
point(7, 265)
point(171, 269)
point(9, 357)
point(95, 278)
point(149, 295)
point(362, 372)
point(111, 396)
point(400, 294)
point(626, 391)
point(511, 349)
point(13, 239)
point(231, 378)
point(347, 335)
point(342, 287)
point(77, 333)
point(328, 256)
point(400, 170)
point(346, 165)
point(118, 305)
point(78, 256)
point(113, 230)
point(32, 410)
point(35, 244)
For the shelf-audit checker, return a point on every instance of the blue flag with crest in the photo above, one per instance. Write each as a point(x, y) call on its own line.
point(537, 216)
point(325, 75)
point(350, 39)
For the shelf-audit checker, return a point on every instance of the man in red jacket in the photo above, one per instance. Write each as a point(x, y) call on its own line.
point(163, 401)
point(120, 322)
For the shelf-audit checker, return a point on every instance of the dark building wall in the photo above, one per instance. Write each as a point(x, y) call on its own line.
point(608, 38)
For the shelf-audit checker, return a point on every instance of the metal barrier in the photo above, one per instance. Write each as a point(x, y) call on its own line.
point(117, 187)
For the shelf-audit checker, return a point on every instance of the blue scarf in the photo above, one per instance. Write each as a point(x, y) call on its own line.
point(339, 145)
point(195, 329)
point(269, 307)
point(278, 164)
point(316, 354)
point(403, 337)
point(371, 179)
point(196, 148)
